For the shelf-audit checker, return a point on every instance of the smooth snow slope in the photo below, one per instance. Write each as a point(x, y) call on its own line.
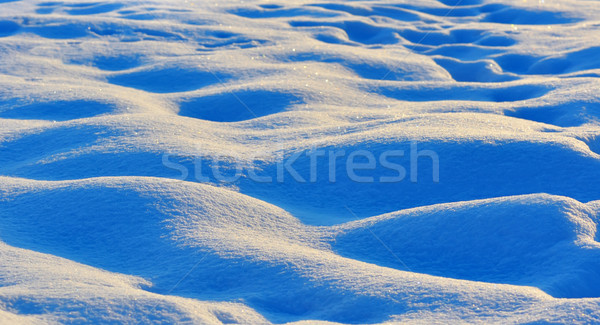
point(113, 114)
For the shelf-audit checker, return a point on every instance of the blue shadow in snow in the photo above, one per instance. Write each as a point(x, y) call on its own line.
point(167, 80)
point(237, 106)
point(58, 110)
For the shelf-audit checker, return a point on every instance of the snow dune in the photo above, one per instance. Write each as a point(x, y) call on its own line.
point(162, 227)
point(123, 125)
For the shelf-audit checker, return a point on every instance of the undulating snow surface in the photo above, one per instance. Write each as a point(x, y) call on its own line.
point(300, 161)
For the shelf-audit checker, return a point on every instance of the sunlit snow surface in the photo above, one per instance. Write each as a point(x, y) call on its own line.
point(112, 112)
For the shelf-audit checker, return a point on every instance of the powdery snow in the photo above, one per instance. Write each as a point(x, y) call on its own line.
point(187, 161)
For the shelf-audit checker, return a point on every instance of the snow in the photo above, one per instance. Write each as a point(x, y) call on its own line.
point(299, 162)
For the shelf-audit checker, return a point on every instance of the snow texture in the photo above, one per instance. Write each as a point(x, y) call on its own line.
point(114, 113)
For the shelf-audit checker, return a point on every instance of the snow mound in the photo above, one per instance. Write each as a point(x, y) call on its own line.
point(163, 228)
point(528, 240)
point(44, 289)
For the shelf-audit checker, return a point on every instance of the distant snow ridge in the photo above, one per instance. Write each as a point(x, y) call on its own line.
point(133, 137)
